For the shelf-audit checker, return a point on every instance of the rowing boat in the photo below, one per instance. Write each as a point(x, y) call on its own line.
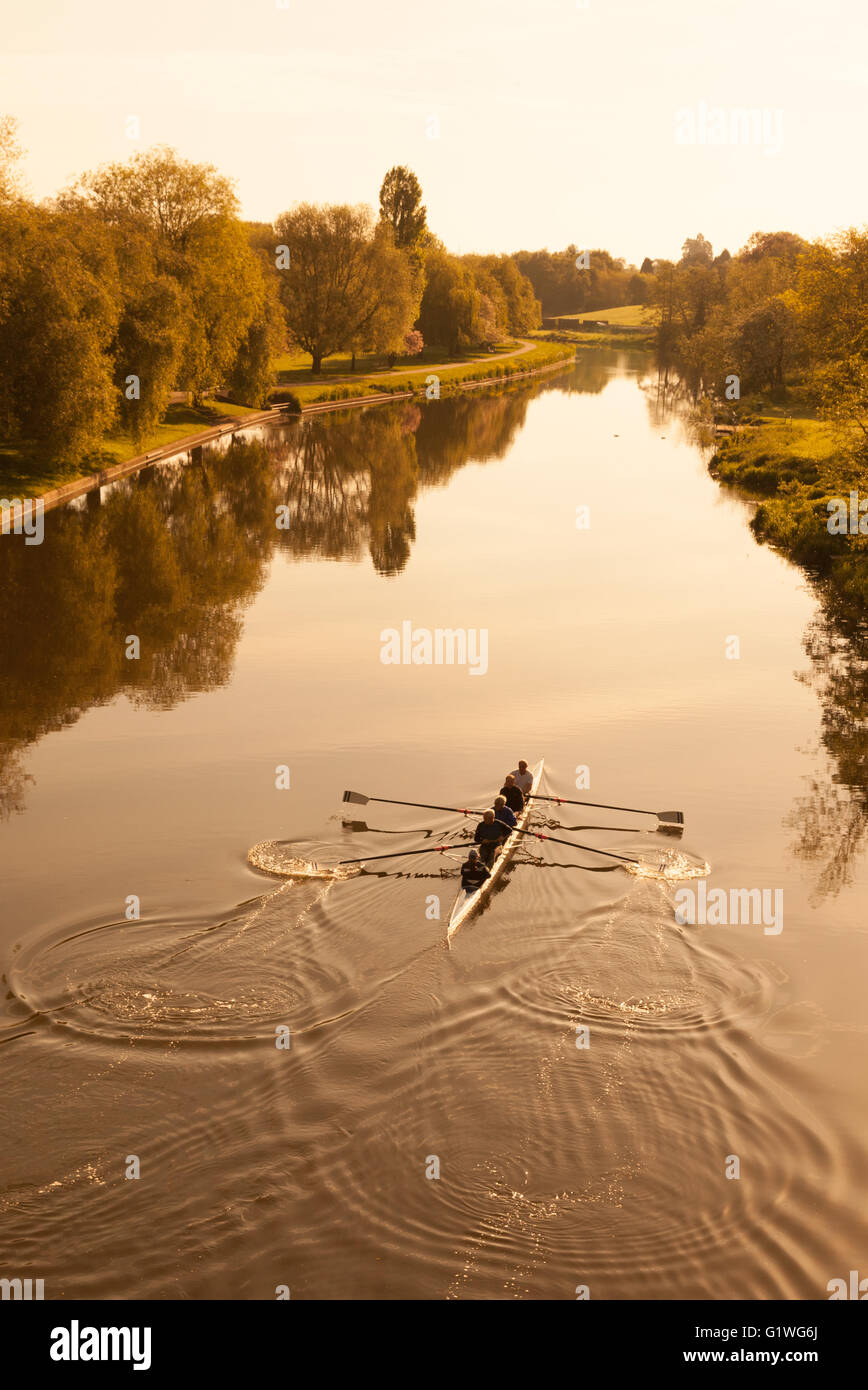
point(466, 902)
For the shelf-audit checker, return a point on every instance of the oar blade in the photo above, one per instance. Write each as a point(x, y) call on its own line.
point(357, 798)
point(671, 817)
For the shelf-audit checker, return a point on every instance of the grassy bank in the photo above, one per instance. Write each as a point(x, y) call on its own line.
point(450, 377)
point(23, 473)
point(625, 316)
point(604, 338)
point(294, 368)
point(798, 464)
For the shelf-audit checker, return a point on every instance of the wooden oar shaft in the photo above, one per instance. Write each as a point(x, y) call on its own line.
point(425, 805)
point(571, 844)
point(599, 805)
point(398, 853)
point(574, 844)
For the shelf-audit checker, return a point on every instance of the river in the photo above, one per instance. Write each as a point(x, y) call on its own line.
point(582, 1092)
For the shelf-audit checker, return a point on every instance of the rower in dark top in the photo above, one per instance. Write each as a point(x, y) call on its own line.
point(473, 872)
point(502, 812)
point(513, 794)
point(490, 835)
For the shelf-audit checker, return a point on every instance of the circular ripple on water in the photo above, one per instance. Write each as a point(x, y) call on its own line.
point(190, 981)
point(288, 859)
point(669, 866)
point(651, 976)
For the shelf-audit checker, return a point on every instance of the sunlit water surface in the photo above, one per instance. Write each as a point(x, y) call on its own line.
point(150, 781)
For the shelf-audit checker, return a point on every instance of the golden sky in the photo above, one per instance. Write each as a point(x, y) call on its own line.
point(626, 124)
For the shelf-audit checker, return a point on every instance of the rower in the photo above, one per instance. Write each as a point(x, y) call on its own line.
point(502, 812)
point(514, 795)
point(523, 777)
point(473, 872)
point(490, 834)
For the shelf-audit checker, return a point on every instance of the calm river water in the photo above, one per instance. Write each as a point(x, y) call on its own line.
point(611, 646)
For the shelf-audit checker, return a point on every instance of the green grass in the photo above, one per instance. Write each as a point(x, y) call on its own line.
point(778, 448)
point(24, 474)
point(798, 465)
point(450, 377)
point(625, 316)
point(611, 338)
point(294, 368)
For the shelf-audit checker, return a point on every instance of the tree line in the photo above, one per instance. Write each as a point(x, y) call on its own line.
point(784, 315)
point(142, 279)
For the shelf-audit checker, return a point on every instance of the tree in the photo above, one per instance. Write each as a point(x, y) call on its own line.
point(637, 289)
point(647, 267)
point(58, 317)
point(449, 315)
point(401, 207)
point(252, 373)
point(487, 329)
point(832, 294)
point(149, 344)
point(347, 285)
point(182, 219)
point(786, 246)
point(10, 154)
point(222, 277)
point(518, 309)
point(765, 341)
point(171, 195)
point(697, 250)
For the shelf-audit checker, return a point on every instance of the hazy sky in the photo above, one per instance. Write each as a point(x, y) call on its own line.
point(604, 123)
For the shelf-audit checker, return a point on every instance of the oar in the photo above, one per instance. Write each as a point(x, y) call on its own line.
point(672, 817)
point(399, 853)
point(359, 799)
point(574, 844)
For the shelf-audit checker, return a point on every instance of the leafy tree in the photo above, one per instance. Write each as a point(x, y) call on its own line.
point(637, 289)
point(182, 219)
point(58, 317)
point(449, 315)
point(832, 289)
point(487, 320)
point(697, 251)
point(765, 340)
point(401, 207)
point(252, 373)
point(647, 267)
point(224, 282)
point(785, 246)
point(10, 154)
point(347, 285)
point(516, 306)
point(171, 195)
point(565, 288)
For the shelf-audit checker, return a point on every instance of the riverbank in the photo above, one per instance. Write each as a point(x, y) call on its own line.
point(798, 465)
point(603, 338)
point(311, 397)
point(494, 368)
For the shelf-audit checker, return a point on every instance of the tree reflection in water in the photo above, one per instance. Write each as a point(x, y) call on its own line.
point(175, 555)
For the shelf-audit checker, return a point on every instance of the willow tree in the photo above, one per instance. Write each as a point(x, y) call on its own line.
point(347, 286)
point(59, 310)
point(194, 286)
